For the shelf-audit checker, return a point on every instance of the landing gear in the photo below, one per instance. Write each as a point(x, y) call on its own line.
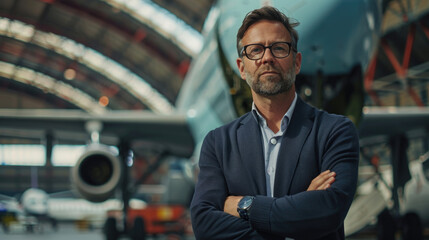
point(386, 226)
point(412, 228)
point(138, 231)
point(110, 229)
point(6, 228)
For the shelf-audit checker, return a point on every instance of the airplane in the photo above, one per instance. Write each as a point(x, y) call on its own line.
point(27, 213)
point(35, 207)
point(213, 94)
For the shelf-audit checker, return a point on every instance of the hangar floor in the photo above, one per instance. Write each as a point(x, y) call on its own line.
point(66, 231)
point(73, 232)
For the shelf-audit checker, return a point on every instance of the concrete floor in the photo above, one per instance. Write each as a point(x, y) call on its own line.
point(71, 231)
point(66, 231)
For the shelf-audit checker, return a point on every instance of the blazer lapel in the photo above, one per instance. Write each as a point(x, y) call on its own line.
point(251, 154)
point(292, 143)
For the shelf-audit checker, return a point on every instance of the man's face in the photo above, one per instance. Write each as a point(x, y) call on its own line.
point(269, 75)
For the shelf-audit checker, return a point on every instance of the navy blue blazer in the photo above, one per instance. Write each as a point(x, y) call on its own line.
point(232, 163)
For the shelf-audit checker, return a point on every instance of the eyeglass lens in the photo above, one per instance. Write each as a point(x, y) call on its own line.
point(256, 51)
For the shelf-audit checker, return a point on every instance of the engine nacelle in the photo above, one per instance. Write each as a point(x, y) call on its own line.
point(97, 173)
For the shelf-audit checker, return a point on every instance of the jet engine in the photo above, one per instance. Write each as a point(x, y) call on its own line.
point(97, 173)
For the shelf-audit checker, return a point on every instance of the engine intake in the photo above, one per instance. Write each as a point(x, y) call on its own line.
point(97, 173)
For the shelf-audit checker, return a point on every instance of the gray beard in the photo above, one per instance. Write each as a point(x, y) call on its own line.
point(271, 87)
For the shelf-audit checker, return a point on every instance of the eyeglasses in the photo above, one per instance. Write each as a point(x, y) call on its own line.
point(257, 51)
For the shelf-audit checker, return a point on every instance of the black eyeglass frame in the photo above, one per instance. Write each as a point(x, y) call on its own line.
point(244, 52)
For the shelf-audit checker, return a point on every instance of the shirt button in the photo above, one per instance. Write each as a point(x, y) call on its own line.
point(273, 141)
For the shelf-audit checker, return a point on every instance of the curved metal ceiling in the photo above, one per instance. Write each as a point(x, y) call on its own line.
point(100, 48)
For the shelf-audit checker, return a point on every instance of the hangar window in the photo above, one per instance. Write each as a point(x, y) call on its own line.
point(22, 154)
point(66, 155)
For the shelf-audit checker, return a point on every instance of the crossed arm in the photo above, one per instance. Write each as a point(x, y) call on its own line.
point(321, 182)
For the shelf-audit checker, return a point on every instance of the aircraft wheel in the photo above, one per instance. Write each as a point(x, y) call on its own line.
point(110, 230)
point(5, 228)
point(54, 224)
point(29, 228)
point(412, 227)
point(139, 230)
point(386, 226)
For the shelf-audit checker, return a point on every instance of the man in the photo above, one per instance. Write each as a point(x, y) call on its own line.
point(285, 169)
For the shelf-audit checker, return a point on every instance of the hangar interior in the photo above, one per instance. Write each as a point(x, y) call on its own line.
point(94, 56)
point(134, 55)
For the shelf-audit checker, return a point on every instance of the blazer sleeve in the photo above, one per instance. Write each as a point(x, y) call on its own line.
point(313, 214)
point(209, 221)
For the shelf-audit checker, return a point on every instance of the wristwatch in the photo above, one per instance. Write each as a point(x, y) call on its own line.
point(244, 206)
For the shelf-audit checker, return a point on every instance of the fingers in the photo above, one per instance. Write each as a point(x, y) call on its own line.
point(322, 181)
point(326, 181)
point(325, 185)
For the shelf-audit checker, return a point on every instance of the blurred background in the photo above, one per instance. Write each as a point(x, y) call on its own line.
point(105, 103)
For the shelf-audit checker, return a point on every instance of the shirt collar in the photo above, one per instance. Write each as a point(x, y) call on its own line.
point(286, 118)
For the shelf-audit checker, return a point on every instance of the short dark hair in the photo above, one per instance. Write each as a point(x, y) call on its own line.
point(267, 13)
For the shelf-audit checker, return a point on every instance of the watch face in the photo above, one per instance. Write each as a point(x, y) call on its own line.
point(245, 202)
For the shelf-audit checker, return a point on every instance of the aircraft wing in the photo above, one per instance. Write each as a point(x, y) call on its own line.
point(170, 132)
point(381, 122)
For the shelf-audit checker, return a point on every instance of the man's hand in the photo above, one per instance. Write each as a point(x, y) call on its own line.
point(323, 181)
point(231, 204)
